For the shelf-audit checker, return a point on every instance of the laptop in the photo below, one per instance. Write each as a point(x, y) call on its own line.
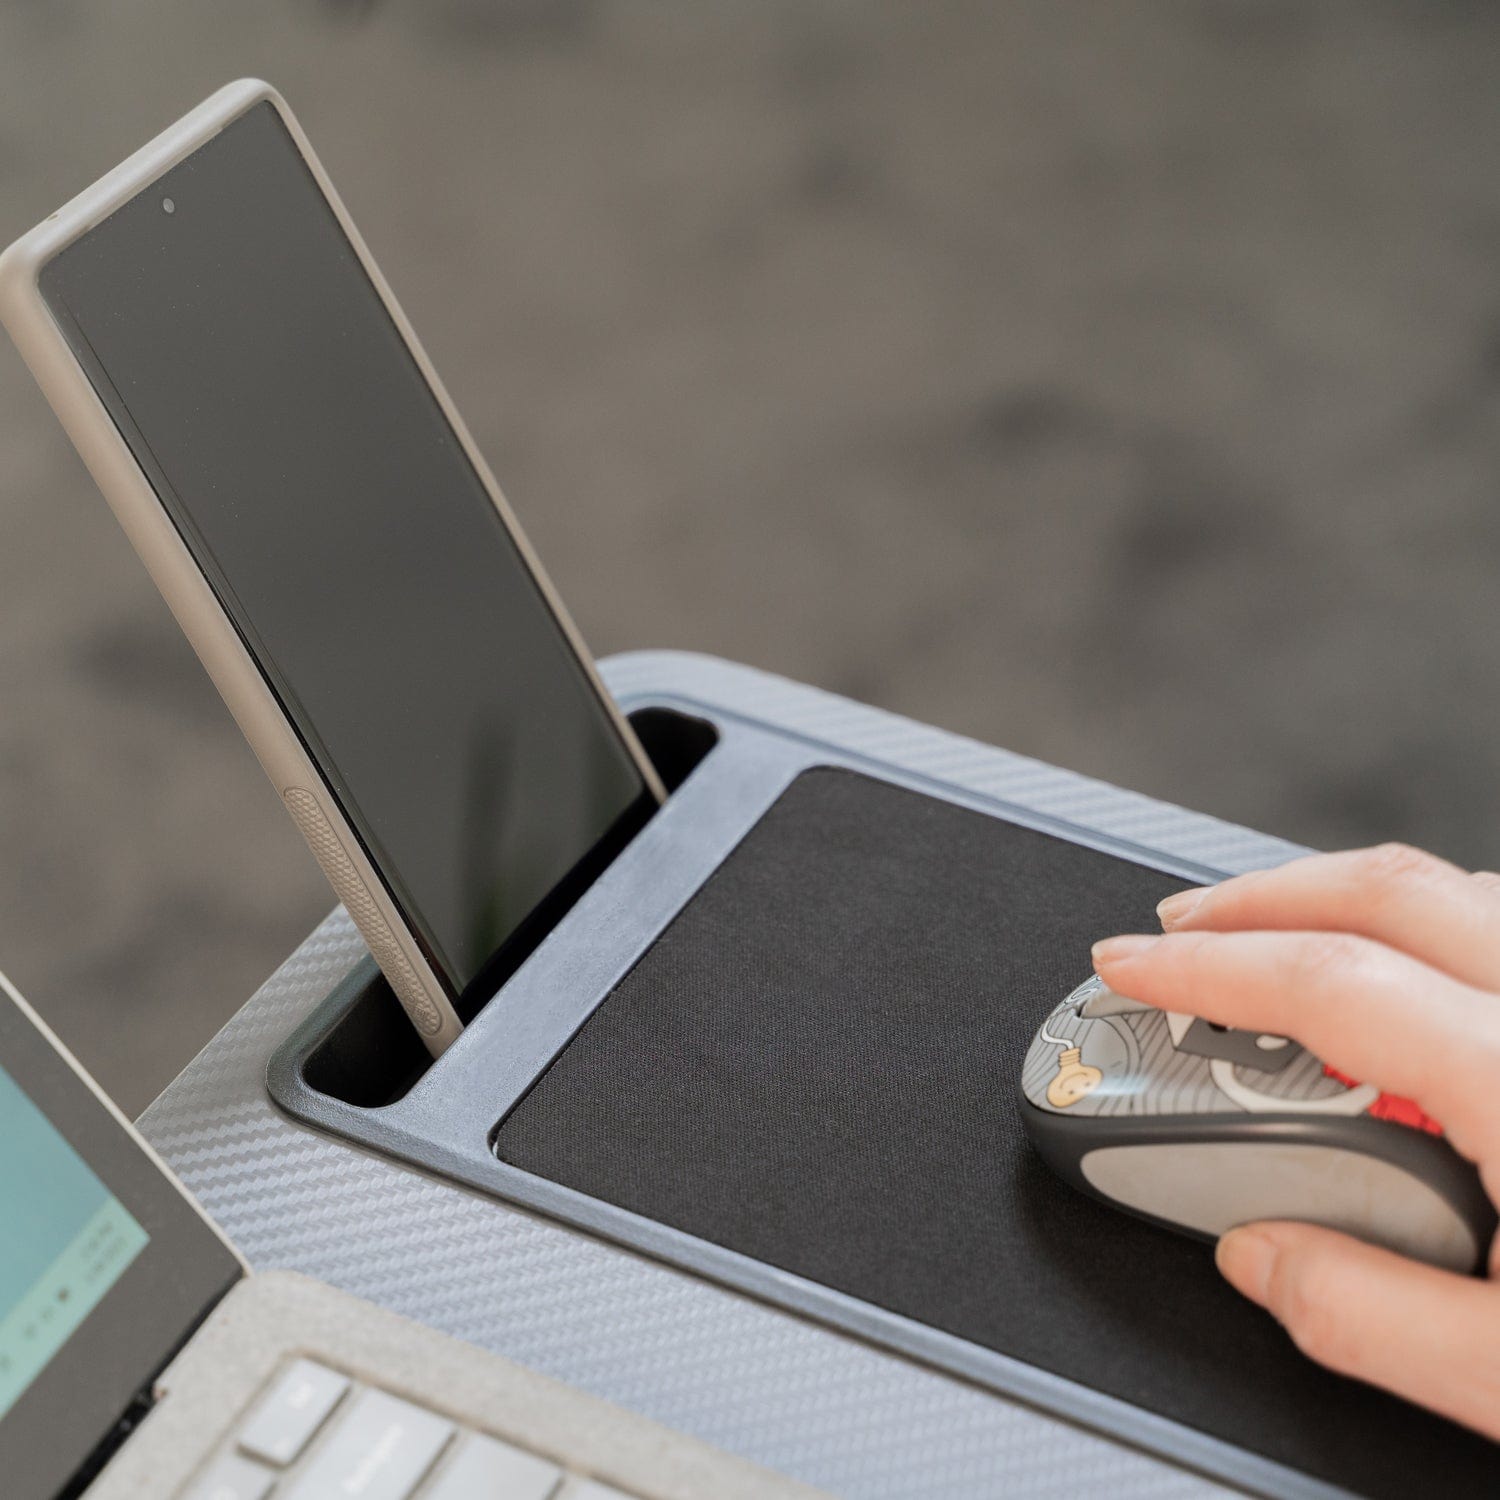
point(140, 1359)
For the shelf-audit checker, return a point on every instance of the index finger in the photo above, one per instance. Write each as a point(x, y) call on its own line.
point(1373, 1013)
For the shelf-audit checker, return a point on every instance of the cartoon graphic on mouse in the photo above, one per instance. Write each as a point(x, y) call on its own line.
point(1201, 1127)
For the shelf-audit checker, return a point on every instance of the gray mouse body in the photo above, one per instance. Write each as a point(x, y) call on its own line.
point(1201, 1127)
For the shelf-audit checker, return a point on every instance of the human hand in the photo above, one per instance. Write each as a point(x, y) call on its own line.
point(1384, 963)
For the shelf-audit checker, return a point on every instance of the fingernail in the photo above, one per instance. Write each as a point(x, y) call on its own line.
point(1132, 945)
point(1245, 1258)
point(1177, 908)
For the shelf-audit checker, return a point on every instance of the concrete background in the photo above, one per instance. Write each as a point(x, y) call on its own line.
point(1117, 383)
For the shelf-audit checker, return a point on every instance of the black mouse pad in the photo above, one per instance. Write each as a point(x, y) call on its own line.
point(816, 1065)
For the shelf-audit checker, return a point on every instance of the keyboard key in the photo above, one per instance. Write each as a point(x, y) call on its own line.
point(291, 1411)
point(233, 1478)
point(486, 1469)
point(380, 1450)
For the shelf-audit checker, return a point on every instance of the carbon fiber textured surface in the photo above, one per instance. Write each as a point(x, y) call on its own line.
point(816, 1404)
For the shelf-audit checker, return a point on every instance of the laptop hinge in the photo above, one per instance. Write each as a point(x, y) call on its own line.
point(131, 1418)
point(138, 1409)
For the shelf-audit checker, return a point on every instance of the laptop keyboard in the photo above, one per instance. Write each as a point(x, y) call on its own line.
point(315, 1434)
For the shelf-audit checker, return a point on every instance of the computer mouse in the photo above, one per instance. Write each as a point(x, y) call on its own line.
point(1201, 1127)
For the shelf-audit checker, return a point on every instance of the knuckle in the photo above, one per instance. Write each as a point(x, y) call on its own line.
point(1396, 865)
point(1305, 1305)
point(1317, 957)
point(1321, 1337)
point(1191, 950)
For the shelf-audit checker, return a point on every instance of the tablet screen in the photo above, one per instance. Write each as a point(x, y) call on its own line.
point(249, 362)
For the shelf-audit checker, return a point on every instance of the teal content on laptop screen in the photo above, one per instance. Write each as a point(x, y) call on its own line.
point(65, 1239)
point(106, 1265)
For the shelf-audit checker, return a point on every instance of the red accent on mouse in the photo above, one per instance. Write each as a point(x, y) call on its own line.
point(1391, 1106)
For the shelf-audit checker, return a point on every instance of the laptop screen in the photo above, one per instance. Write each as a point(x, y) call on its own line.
point(65, 1239)
point(106, 1266)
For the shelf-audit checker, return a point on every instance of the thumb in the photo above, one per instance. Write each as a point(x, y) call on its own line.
point(1427, 1335)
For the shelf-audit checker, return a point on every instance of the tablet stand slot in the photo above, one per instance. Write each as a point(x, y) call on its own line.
point(372, 1055)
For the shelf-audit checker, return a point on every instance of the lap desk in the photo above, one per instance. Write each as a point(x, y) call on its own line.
point(738, 1146)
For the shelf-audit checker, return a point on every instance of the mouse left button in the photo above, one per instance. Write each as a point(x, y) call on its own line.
point(1104, 1002)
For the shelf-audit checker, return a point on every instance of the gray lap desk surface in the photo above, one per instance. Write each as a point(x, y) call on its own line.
point(819, 1405)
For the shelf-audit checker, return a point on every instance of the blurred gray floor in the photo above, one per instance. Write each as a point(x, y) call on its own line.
point(1117, 383)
